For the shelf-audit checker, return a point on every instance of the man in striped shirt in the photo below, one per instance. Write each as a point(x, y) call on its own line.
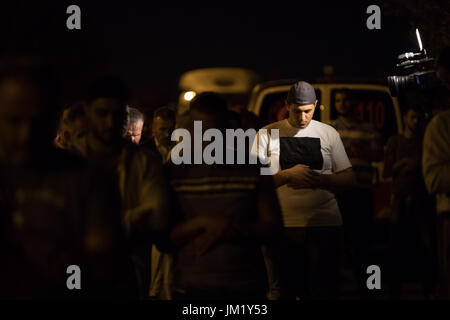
point(226, 212)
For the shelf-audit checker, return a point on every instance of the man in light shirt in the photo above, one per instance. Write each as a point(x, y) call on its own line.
point(312, 163)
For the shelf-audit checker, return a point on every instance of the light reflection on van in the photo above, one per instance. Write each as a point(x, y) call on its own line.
point(235, 84)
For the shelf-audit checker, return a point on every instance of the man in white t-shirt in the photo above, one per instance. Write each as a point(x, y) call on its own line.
point(311, 162)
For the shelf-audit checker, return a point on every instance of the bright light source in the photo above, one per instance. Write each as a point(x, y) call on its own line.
point(189, 95)
point(419, 40)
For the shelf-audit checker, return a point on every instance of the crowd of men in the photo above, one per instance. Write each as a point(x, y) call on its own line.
point(97, 190)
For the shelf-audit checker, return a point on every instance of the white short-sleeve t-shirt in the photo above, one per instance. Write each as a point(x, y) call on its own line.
point(320, 147)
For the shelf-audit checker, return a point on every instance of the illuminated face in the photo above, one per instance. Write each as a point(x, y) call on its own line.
point(162, 130)
point(134, 133)
point(343, 104)
point(301, 115)
point(412, 120)
point(106, 118)
point(19, 116)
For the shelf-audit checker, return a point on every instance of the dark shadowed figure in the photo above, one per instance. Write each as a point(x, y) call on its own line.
point(363, 146)
point(137, 173)
point(56, 210)
point(226, 213)
point(412, 220)
point(435, 167)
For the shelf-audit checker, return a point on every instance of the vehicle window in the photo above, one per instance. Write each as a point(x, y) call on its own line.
point(273, 107)
point(372, 106)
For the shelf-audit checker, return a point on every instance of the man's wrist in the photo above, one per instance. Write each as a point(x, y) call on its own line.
point(282, 178)
point(286, 178)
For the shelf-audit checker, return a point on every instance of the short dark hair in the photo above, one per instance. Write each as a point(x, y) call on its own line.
point(165, 113)
point(209, 103)
point(74, 112)
point(415, 108)
point(346, 91)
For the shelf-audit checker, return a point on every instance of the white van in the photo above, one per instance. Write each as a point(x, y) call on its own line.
point(235, 84)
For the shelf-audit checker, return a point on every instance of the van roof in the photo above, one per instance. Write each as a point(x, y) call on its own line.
point(222, 80)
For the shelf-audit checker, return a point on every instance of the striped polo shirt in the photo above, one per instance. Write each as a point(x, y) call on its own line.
point(218, 190)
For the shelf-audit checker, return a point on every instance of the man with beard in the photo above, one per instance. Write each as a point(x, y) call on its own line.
point(55, 210)
point(162, 128)
point(137, 172)
point(312, 162)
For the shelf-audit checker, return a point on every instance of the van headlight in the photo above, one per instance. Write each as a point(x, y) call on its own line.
point(189, 95)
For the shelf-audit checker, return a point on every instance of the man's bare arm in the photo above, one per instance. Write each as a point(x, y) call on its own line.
point(338, 180)
point(281, 178)
point(300, 176)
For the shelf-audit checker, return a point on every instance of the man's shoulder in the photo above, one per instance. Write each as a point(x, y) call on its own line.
point(62, 164)
point(324, 127)
point(83, 173)
point(149, 144)
point(442, 118)
point(275, 125)
point(439, 125)
point(64, 160)
point(142, 155)
point(337, 124)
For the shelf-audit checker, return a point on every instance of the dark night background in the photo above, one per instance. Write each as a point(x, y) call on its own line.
point(150, 45)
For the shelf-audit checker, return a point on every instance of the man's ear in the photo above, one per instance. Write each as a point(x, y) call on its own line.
point(315, 103)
